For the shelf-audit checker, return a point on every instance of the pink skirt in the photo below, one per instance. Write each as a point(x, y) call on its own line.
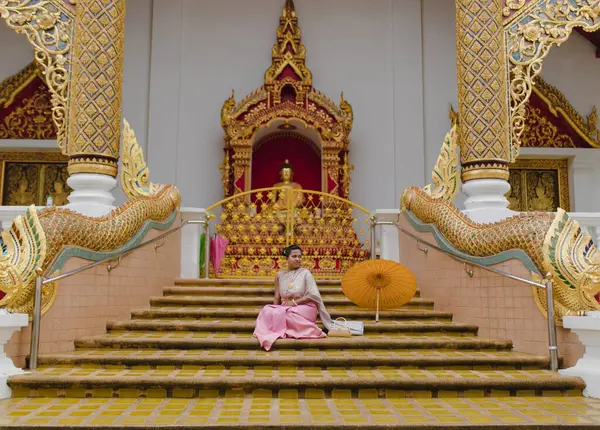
point(278, 321)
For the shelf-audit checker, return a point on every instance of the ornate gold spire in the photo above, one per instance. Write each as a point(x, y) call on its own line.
point(289, 54)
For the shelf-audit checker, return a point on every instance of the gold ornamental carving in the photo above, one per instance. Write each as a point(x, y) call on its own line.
point(286, 94)
point(258, 224)
point(585, 127)
point(26, 117)
point(528, 41)
point(541, 133)
point(95, 114)
point(49, 27)
point(539, 185)
point(482, 101)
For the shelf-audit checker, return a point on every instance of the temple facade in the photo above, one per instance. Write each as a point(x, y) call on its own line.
point(395, 63)
point(312, 213)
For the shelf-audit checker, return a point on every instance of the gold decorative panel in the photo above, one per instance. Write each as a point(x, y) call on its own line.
point(539, 185)
point(30, 177)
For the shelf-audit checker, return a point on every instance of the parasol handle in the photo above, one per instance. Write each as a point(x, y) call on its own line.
point(377, 311)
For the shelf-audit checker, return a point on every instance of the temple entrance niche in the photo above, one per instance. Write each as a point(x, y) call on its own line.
point(286, 127)
point(287, 109)
point(282, 143)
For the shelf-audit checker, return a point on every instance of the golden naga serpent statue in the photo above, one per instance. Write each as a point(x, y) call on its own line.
point(36, 238)
point(553, 241)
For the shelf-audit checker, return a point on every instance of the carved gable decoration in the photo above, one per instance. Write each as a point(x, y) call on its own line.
point(25, 106)
point(287, 93)
point(552, 122)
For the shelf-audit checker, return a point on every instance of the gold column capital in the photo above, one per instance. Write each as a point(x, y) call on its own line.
point(96, 88)
point(482, 94)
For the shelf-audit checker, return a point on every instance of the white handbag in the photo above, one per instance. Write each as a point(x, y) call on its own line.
point(357, 328)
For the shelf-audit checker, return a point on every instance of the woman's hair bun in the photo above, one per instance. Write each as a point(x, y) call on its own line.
point(287, 251)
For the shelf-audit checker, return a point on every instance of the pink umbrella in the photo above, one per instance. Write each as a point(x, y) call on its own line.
point(218, 244)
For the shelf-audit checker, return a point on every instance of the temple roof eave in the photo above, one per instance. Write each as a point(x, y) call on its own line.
point(558, 104)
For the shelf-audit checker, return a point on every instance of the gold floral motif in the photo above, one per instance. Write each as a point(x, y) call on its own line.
point(49, 28)
point(541, 133)
point(96, 89)
point(528, 41)
point(482, 101)
point(32, 119)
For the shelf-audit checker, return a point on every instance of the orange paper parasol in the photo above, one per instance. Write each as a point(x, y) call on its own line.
point(379, 284)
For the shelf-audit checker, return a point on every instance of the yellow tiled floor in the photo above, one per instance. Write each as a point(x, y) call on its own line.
point(228, 411)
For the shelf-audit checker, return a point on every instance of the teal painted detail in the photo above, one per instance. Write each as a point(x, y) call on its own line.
point(491, 260)
point(87, 254)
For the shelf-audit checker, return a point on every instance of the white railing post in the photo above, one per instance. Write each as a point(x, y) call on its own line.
point(389, 245)
point(190, 242)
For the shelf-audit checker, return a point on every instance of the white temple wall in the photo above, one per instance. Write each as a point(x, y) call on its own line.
point(15, 51)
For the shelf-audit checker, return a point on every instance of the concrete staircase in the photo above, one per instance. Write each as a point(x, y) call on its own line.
point(196, 341)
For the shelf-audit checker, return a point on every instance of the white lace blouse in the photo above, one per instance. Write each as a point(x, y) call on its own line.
point(299, 283)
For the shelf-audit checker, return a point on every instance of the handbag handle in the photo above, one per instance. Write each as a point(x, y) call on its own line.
point(342, 319)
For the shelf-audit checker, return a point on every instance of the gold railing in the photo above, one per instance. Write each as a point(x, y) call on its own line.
point(334, 232)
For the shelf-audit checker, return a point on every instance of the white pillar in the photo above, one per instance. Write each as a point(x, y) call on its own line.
point(9, 324)
point(91, 194)
point(486, 201)
point(190, 242)
point(388, 234)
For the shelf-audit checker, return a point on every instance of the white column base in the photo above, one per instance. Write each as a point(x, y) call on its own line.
point(486, 201)
point(587, 368)
point(389, 244)
point(190, 242)
point(9, 324)
point(91, 194)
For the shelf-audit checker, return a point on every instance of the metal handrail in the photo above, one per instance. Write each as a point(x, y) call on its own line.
point(40, 281)
point(548, 286)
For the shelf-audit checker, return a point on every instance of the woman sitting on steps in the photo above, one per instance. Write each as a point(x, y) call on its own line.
point(293, 313)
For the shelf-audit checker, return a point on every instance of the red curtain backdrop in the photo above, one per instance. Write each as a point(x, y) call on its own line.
point(270, 154)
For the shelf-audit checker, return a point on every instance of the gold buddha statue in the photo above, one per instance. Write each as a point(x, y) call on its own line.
point(20, 196)
point(59, 196)
point(284, 196)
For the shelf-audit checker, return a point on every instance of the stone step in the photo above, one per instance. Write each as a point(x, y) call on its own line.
point(219, 382)
point(200, 340)
point(285, 359)
point(248, 326)
point(225, 312)
point(240, 301)
point(253, 291)
point(266, 282)
point(337, 413)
